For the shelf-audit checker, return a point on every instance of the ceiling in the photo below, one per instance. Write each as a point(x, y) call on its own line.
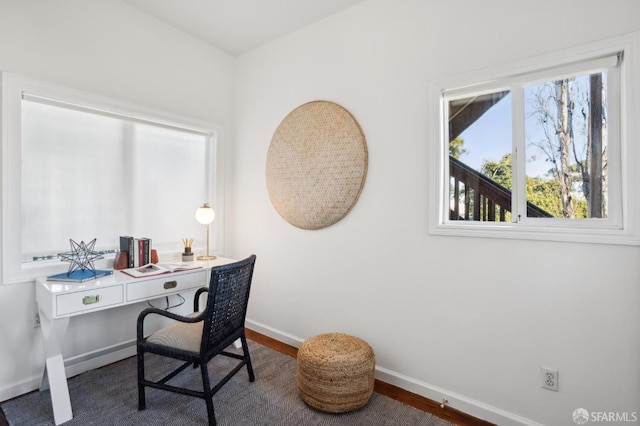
point(238, 26)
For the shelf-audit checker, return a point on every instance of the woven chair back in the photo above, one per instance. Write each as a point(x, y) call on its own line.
point(227, 302)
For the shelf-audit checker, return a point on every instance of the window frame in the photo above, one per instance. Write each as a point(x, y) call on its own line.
point(12, 88)
point(623, 232)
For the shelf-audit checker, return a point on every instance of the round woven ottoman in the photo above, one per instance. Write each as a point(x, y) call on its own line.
point(335, 372)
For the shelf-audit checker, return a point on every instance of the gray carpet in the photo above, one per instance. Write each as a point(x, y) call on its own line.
point(108, 396)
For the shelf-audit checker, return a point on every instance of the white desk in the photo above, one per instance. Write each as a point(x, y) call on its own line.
point(59, 301)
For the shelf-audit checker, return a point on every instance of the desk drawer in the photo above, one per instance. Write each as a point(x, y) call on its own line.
point(164, 285)
point(89, 300)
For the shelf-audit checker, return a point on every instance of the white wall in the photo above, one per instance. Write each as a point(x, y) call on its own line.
point(469, 319)
point(107, 48)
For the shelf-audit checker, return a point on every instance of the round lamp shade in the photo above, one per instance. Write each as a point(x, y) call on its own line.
point(205, 214)
point(316, 165)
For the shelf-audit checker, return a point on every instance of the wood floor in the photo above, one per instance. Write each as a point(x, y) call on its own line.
point(414, 400)
point(449, 414)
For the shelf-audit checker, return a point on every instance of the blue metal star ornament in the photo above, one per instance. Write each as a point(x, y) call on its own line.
point(81, 256)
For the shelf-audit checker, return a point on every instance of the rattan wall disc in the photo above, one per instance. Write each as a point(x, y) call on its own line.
point(316, 165)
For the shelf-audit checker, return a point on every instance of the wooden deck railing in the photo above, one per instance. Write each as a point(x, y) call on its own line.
point(476, 197)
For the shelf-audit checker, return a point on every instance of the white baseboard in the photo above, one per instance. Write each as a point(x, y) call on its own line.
point(281, 336)
point(74, 366)
point(459, 402)
point(99, 358)
point(462, 403)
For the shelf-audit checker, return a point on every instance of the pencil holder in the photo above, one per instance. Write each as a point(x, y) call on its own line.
point(187, 256)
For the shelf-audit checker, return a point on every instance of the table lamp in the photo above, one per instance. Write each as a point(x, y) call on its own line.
point(205, 216)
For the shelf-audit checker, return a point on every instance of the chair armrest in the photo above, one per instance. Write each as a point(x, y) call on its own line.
point(161, 312)
point(196, 298)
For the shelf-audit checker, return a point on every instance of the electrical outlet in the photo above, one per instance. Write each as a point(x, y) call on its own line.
point(549, 378)
point(36, 320)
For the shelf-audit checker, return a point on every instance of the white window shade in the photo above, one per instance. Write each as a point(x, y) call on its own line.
point(80, 167)
point(525, 75)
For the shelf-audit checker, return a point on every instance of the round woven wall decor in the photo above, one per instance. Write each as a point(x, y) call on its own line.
point(316, 165)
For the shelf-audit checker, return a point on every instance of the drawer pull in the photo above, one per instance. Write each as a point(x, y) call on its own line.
point(170, 284)
point(88, 300)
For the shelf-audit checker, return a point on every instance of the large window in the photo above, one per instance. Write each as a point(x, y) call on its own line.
point(536, 150)
point(79, 167)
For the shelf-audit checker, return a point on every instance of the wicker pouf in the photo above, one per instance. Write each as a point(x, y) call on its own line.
point(335, 372)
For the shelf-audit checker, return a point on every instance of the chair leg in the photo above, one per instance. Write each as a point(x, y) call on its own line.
point(141, 396)
point(208, 396)
point(245, 349)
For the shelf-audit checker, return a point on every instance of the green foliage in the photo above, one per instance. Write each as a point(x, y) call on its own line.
point(499, 171)
point(455, 148)
point(546, 194)
point(581, 209)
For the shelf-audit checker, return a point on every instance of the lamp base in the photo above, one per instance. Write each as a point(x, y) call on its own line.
point(207, 257)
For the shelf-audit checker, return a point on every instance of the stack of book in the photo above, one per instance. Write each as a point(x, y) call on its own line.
point(138, 249)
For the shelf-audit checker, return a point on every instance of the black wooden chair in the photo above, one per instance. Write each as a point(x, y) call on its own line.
point(197, 338)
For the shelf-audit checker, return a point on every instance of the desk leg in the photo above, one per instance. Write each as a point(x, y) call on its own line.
point(53, 375)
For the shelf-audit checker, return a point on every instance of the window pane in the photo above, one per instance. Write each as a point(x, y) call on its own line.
point(71, 174)
point(568, 124)
point(566, 147)
point(87, 175)
point(480, 157)
point(169, 168)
